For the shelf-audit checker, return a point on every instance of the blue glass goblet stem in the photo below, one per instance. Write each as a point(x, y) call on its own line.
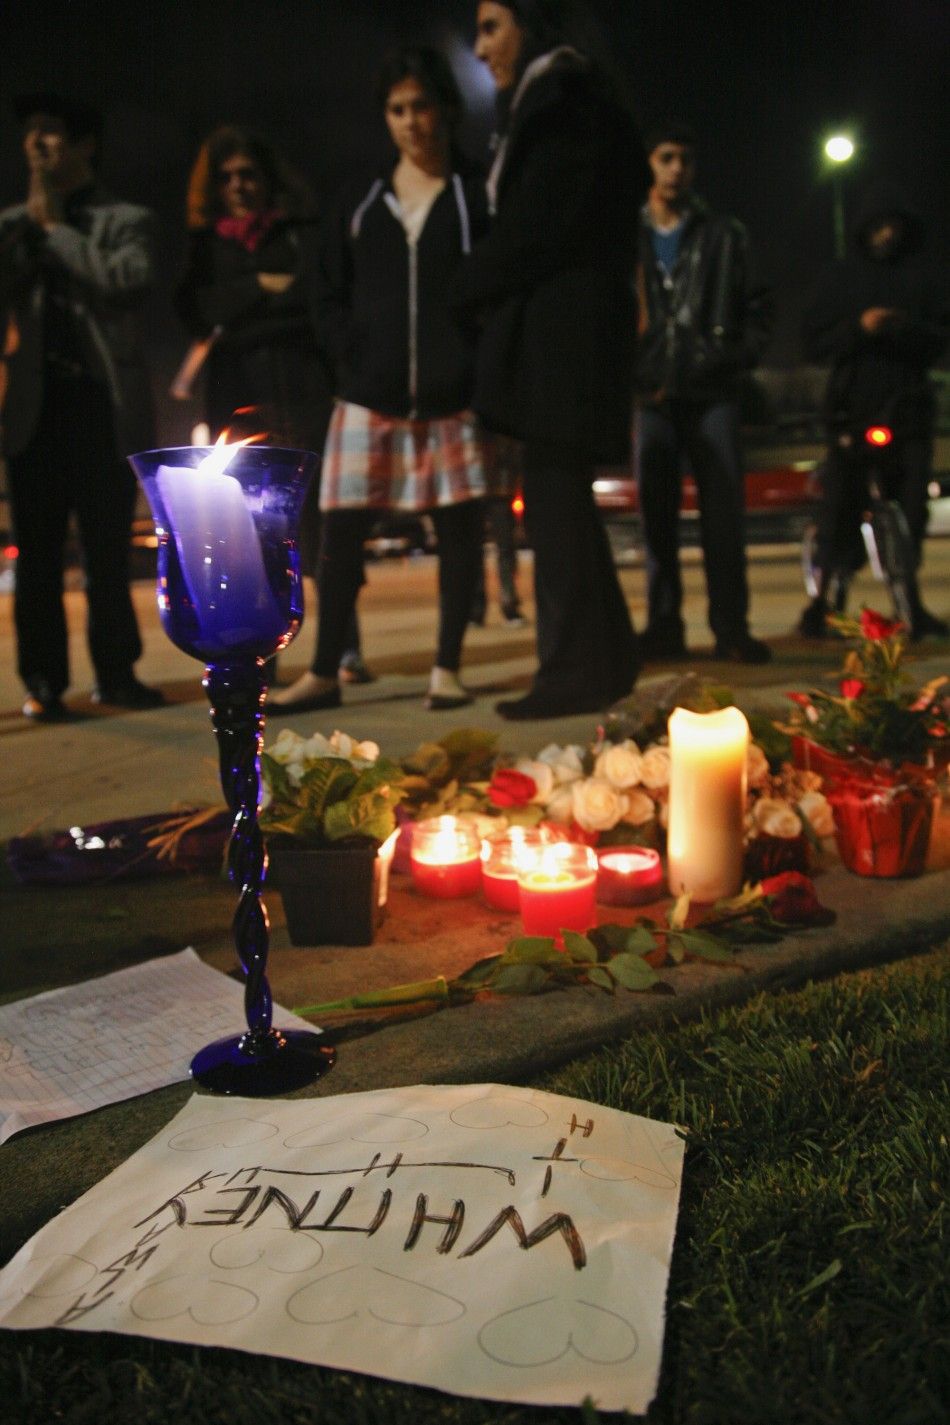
point(229, 593)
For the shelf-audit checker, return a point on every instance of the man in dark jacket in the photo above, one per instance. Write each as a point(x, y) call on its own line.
point(75, 265)
point(705, 319)
point(880, 318)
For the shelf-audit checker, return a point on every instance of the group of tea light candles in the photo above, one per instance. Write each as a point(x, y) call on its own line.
point(556, 884)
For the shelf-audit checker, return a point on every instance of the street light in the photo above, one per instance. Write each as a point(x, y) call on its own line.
point(839, 150)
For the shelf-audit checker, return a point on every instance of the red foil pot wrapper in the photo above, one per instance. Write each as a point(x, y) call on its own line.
point(882, 830)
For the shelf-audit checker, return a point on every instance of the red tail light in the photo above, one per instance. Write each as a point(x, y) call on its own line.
point(879, 435)
point(517, 505)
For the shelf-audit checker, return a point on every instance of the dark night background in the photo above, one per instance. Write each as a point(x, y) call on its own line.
point(762, 84)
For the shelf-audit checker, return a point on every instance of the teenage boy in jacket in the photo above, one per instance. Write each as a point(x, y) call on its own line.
point(705, 319)
point(75, 265)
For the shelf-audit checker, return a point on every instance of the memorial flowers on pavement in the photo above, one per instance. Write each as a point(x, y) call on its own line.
point(321, 791)
point(876, 713)
point(615, 790)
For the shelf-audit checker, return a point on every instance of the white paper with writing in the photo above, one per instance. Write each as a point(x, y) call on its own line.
point(489, 1241)
point(72, 1050)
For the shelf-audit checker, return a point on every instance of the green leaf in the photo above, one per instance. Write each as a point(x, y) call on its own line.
point(275, 775)
point(631, 971)
point(640, 941)
point(704, 946)
point(519, 980)
point(529, 950)
point(597, 975)
point(829, 1274)
point(578, 947)
point(613, 936)
point(480, 973)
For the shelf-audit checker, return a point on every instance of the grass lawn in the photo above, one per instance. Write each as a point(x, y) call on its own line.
point(809, 1280)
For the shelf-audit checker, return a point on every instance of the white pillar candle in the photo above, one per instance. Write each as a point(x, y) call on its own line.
point(707, 802)
point(219, 552)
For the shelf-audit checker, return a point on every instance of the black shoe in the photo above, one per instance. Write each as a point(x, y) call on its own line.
point(542, 703)
point(43, 705)
point(814, 620)
point(742, 648)
point(511, 615)
point(927, 625)
point(353, 670)
point(657, 645)
point(128, 693)
point(319, 702)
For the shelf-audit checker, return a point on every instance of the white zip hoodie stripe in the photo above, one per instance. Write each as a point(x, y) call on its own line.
point(462, 206)
point(356, 221)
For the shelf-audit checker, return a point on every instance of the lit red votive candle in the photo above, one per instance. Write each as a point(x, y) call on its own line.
point(629, 876)
point(500, 856)
point(445, 860)
point(557, 889)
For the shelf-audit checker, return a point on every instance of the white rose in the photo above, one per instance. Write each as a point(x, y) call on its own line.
point(816, 809)
point(757, 765)
point(541, 774)
point(565, 762)
point(561, 806)
point(318, 746)
point(655, 767)
point(597, 805)
point(620, 764)
point(287, 747)
point(776, 818)
point(640, 807)
point(341, 744)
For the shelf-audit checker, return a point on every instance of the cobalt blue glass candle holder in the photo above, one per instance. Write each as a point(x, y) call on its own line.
point(229, 593)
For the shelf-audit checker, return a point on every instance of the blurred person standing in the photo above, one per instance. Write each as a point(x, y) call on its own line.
point(244, 298)
point(881, 317)
point(401, 435)
point(75, 266)
point(551, 287)
point(705, 320)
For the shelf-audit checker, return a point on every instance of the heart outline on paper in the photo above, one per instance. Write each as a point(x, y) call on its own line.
point(628, 1345)
point(491, 1111)
point(244, 1301)
point(226, 1254)
point(201, 1137)
point(418, 1293)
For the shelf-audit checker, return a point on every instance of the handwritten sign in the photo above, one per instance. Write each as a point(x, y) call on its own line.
point(490, 1241)
point(72, 1050)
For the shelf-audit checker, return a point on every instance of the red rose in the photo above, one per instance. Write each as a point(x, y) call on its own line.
point(875, 626)
point(851, 687)
point(802, 699)
point(792, 900)
point(509, 788)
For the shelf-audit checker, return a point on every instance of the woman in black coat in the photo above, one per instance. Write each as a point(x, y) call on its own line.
point(245, 292)
point(552, 289)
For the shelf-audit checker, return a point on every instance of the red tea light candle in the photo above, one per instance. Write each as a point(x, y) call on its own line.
point(631, 876)
point(445, 860)
point(557, 889)
point(500, 858)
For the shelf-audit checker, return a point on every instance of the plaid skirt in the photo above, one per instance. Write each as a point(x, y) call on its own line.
point(381, 462)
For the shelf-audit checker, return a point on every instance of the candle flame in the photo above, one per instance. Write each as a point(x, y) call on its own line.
point(223, 452)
